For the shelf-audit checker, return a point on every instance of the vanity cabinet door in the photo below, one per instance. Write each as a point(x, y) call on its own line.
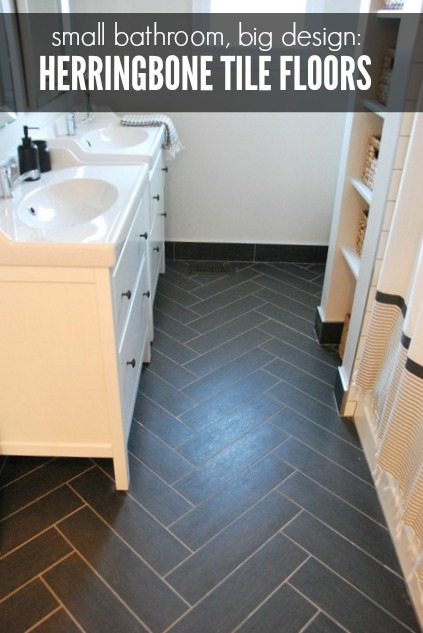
point(157, 222)
point(134, 349)
point(125, 273)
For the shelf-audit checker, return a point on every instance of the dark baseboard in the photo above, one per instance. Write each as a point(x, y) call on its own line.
point(304, 253)
point(328, 332)
point(339, 391)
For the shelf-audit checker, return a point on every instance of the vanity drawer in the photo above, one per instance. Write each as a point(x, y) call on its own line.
point(156, 254)
point(125, 273)
point(157, 187)
point(133, 348)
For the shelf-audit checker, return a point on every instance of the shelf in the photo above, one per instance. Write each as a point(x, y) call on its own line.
point(376, 107)
point(352, 259)
point(361, 188)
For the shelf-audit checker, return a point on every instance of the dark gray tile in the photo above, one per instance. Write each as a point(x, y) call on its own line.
point(142, 590)
point(205, 342)
point(230, 603)
point(30, 560)
point(312, 409)
point(200, 573)
point(36, 517)
point(96, 608)
point(343, 518)
point(341, 601)
point(300, 359)
point(315, 436)
point(285, 612)
point(235, 459)
point(160, 422)
point(154, 494)
point(281, 286)
point(163, 393)
point(284, 302)
point(218, 436)
point(229, 312)
point(354, 566)
point(289, 278)
point(16, 467)
point(211, 410)
point(316, 388)
point(172, 348)
point(172, 327)
point(214, 382)
point(26, 607)
point(287, 318)
point(303, 343)
point(152, 541)
point(355, 491)
point(224, 298)
point(176, 293)
point(180, 277)
point(290, 253)
point(296, 270)
point(226, 352)
point(224, 283)
point(171, 372)
point(56, 472)
point(163, 460)
point(208, 518)
point(58, 622)
point(322, 624)
point(173, 309)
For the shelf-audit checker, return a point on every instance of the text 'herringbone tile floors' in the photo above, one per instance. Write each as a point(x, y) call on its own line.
point(251, 507)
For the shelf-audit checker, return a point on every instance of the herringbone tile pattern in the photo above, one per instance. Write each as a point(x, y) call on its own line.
point(251, 507)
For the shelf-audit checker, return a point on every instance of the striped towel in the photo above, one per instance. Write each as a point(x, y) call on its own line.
point(172, 145)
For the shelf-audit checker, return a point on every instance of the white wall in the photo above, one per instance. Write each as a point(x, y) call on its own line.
point(254, 177)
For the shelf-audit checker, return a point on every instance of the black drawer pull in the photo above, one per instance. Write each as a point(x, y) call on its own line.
point(132, 362)
point(144, 235)
point(157, 249)
point(165, 169)
point(146, 294)
point(164, 214)
point(127, 294)
point(156, 197)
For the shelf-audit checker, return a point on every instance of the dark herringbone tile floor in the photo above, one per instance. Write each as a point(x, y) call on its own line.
point(251, 507)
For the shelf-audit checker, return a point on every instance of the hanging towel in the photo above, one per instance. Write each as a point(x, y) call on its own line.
point(172, 144)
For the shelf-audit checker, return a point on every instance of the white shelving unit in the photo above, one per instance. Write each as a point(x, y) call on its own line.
point(349, 276)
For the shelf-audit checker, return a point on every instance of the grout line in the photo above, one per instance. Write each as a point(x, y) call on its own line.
point(343, 536)
point(157, 404)
point(285, 582)
point(312, 619)
point(181, 305)
point(130, 547)
point(29, 472)
point(227, 290)
point(171, 448)
point(44, 619)
point(324, 383)
point(334, 493)
point(64, 607)
point(286, 281)
point(225, 323)
point(319, 608)
point(347, 470)
point(360, 591)
point(38, 534)
point(45, 494)
point(34, 577)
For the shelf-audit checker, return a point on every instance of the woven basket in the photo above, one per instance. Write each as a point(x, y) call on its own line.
point(342, 342)
point(394, 4)
point(361, 233)
point(371, 161)
point(385, 76)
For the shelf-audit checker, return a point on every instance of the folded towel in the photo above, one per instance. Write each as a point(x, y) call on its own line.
point(172, 145)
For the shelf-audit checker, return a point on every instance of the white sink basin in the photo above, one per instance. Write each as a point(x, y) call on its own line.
point(67, 203)
point(113, 137)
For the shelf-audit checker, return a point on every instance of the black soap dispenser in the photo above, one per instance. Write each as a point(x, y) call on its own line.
point(29, 160)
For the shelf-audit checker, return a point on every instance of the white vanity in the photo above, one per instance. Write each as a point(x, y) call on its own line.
point(80, 255)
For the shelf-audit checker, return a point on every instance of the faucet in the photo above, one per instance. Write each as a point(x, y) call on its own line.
point(72, 126)
point(7, 183)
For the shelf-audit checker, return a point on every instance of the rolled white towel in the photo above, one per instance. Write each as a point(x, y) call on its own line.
point(172, 144)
